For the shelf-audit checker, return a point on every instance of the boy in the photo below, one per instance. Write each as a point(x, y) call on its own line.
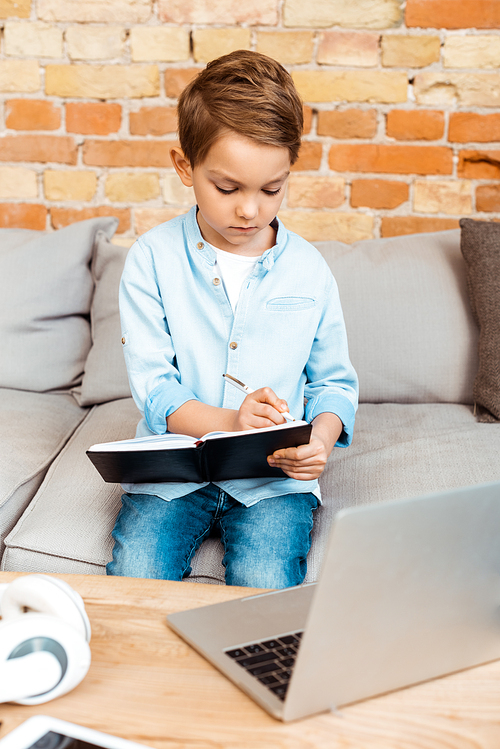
point(226, 288)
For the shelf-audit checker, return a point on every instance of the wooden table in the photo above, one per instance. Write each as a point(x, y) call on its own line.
point(147, 685)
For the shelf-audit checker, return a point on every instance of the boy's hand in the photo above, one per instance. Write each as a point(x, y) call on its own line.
point(262, 408)
point(307, 462)
point(304, 463)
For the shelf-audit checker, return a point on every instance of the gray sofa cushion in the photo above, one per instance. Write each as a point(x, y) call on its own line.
point(402, 451)
point(412, 337)
point(399, 451)
point(428, 352)
point(33, 429)
point(74, 511)
point(105, 376)
point(46, 289)
point(67, 526)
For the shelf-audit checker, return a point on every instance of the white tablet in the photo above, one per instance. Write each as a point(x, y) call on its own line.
point(43, 732)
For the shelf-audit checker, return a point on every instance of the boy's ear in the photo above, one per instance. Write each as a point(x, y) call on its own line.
point(182, 166)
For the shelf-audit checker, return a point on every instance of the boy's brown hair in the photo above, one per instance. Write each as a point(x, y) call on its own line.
point(244, 92)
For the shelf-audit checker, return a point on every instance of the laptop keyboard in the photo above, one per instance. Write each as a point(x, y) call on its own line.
point(270, 661)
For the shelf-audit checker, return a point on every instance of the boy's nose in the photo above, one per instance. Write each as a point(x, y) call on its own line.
point(247, 209)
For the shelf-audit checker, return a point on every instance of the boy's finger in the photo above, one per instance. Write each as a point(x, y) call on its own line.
point(296, 464)
point(269, 412)
point(267, 395)
point(303, 452)
point(288, 453)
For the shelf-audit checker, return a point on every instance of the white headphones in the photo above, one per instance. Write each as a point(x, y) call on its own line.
point(44, 636)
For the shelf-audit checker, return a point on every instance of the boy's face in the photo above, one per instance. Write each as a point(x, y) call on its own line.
point(239, 188)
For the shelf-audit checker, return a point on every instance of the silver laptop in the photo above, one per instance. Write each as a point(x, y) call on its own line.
point(409, 591)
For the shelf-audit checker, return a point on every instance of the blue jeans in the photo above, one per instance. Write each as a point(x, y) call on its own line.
point(265, 545)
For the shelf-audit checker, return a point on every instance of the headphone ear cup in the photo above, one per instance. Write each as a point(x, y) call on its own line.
point(39, 632)
point(45, 595)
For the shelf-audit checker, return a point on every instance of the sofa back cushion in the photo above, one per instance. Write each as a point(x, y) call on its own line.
point(480, 244)
point(412, 337)
point(45, 291)
point(105, 376)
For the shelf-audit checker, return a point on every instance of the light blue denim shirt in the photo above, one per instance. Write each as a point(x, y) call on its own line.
point(180, 335)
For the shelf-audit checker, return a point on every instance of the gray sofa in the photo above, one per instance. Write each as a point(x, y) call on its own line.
point(63, 387)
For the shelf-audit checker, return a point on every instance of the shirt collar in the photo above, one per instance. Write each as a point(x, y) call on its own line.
point(267, 259)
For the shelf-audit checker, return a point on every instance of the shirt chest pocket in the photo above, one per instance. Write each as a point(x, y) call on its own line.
point(290, 303)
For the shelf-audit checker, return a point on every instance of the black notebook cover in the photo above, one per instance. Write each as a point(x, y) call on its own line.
point(232, 457)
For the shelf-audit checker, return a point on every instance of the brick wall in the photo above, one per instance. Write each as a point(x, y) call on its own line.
point(402, 104)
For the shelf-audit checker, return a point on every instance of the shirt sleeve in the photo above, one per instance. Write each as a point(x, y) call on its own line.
point(147, 344)
point(332, 383)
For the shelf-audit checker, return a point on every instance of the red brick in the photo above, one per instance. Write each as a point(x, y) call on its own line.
point(466, 127)
point(93, 119)
point(378, 193)
point(176, 80)
point(153, 121)
point(368, 157)
point(32, 114)
point(23, 216)
point(453, 14)
point(309, 156)
point(415, 124)
point(128, 153)
point(351, 123)
point(308, 113)
point(64, 216)
point(395, 226)
point(479, 164)
point(488, 198)
point(44, 148)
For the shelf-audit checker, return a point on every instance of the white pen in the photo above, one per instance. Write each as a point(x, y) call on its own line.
point(245, 389)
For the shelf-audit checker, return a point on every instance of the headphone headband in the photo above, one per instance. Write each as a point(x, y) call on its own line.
point(41, 616)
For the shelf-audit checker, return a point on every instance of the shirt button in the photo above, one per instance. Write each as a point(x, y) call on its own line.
point(200, 245)
point(233, 345)
point(216, 281)
point(123, 340)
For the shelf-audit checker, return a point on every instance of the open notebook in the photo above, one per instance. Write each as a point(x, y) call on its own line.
point(217, 456)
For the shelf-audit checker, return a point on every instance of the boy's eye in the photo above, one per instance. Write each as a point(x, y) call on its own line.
point(230, 192)
point(225, 192)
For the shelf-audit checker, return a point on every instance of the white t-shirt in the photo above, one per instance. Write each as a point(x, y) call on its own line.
point(233, 270)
